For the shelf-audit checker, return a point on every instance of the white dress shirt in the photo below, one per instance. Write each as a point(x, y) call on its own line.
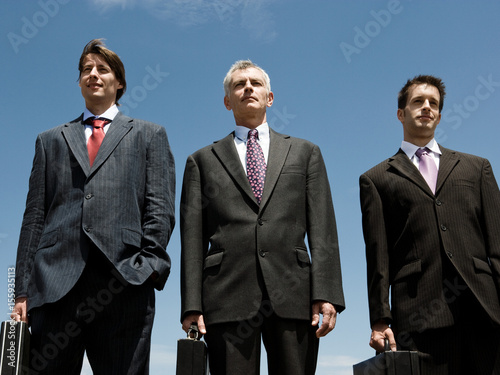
point(410, 149)
point(240, 141)
point(110, 114)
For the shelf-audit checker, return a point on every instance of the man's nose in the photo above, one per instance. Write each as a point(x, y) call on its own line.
point(94, 72)
point(248, 86)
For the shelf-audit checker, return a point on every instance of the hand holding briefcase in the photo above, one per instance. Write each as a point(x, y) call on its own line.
point(192, 354)
point(390, 363)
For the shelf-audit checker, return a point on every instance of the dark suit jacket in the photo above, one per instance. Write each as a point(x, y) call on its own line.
point(233, 248)
point(124, 204)
point(409, 232)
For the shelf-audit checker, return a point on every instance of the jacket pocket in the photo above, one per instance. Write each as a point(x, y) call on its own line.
point(48, 239)
point(481, 266)
point(293, 169)
point(214, 259)
point(408, 270)
point(131, 237)
point(302, 256)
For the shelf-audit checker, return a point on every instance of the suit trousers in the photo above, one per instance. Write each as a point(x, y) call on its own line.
point(470, 346)
point(291, 345)
point(103, 315)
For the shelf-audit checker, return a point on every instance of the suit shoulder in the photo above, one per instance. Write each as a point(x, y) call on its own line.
point(300, 142)
point(144, 124)
point(462, 154)
point(377, 169)
point(57, 129)
point(207, 150)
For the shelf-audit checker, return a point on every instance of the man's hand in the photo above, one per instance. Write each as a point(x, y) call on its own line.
point(20, 312)
point(329, 317)
point(380, 332)
point(194, 319)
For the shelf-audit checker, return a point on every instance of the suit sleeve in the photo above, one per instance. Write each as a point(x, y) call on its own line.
point(490, 197)
point(158, 217)
point(192, 243)
point(377, 253)
point(322, 235)
point(33, 221)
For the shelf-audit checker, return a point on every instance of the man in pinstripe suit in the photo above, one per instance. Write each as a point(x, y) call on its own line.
point(94, 232)
point(434, 245)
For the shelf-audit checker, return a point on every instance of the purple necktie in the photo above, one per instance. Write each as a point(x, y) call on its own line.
point(427, 167)
point(256, 164)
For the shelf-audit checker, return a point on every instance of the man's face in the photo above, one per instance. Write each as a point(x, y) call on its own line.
point(248, 94)
point(421, 114)
point(98, 82)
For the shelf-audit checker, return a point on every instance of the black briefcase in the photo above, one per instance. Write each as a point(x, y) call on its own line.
point(191, 354)
point(390, 363)
point(14, 358)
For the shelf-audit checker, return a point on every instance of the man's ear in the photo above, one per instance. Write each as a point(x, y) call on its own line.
point(270, 99)
point(227, 104)
point(401, 114)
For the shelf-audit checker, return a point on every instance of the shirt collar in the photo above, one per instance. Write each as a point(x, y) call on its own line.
point(241, 132)
point(109, 114)
point(410, 149)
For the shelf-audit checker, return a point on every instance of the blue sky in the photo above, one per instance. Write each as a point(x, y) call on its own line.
point(335, 66)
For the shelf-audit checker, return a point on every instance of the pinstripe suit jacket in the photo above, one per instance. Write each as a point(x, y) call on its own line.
point(408, 231)
point(233, 248)
point(124, 204)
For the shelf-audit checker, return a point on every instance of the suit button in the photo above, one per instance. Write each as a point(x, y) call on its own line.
point(87, 229)
point(438, 202)
point(260, 222)
point(262, 253)
point(450, 254)
point(88, 196)
point(443, 227)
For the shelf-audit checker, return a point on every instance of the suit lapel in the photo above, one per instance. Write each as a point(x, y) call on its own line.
point(447, 163)
point(225, 150)
point(278, 151)
point(74, 133)
point(404, 166)
point(120, 126)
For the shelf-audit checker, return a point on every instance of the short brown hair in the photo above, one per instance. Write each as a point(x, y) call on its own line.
point(97, 46)
point(422, 80)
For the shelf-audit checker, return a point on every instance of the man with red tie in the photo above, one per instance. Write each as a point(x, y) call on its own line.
point(99, 214)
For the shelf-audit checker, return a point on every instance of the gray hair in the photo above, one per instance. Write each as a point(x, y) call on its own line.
point(242, 65)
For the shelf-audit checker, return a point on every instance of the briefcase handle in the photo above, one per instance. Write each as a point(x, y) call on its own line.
point(193, 333)
point(387, 346)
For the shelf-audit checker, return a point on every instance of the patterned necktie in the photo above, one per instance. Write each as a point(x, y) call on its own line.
point(256, 164)
point(427, 167)
point(97, 136)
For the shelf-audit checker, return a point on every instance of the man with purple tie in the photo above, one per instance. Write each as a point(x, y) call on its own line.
point(248, 202)
point(431, 226)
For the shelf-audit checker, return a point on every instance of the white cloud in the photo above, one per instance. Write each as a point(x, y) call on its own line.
point(253, 16)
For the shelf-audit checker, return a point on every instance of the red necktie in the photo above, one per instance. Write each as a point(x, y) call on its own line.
point(256, 164)
point(97, 136)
